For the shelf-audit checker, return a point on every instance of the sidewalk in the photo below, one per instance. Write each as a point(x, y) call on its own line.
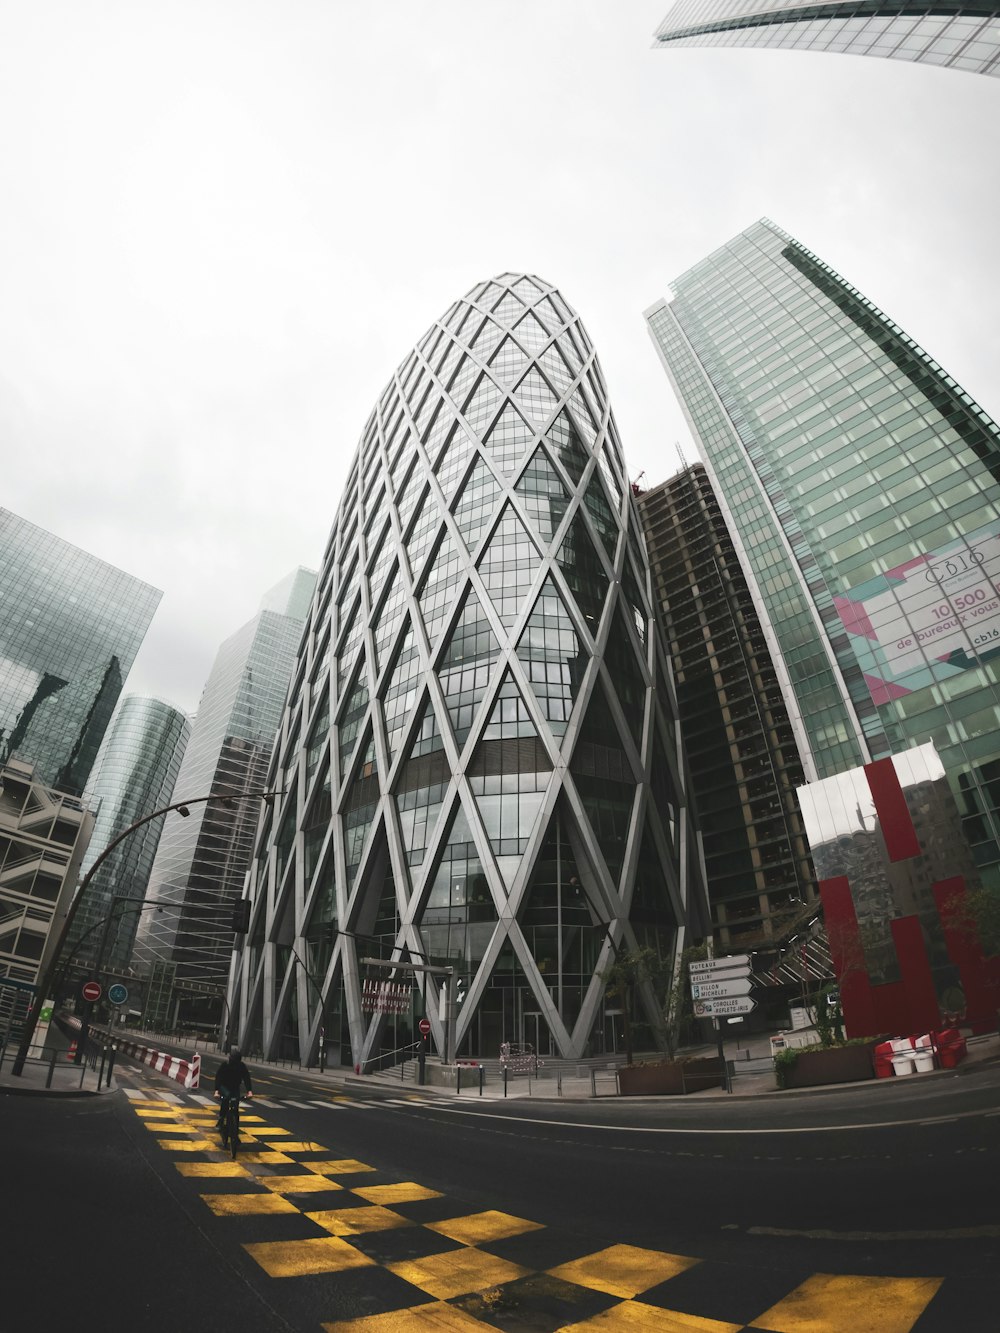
point(54, 1075)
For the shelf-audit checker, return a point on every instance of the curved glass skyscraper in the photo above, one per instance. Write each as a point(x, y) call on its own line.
point(479, 752)
point(134, 775)
point(963, 36)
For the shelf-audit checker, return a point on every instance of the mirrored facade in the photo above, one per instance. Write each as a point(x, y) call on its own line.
point(134, 775)
point(202, 860)
point(958, 37)
point(862, 487)
point(70, 627)
point(479, 751)
point(894, 873)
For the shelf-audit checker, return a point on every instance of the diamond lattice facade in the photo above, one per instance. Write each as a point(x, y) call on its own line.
point(957, 36)
point(479, 752)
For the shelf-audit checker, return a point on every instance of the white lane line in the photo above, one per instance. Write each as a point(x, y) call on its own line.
point(448, 1108)
point(947, 1233)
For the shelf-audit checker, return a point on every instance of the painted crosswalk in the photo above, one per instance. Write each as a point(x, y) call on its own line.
point(424, 1262)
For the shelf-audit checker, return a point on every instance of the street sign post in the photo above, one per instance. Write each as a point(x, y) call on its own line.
point(711, 990)
point(724, 1005)
point(91, 991)
point(721, 987)
point(732, 963)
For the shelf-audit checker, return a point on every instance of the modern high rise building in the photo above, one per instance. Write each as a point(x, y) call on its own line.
point(745, 762)
point(479, 752)
point(70, 627)
point(134, 775)
point(957, 36)
point(862, 488)
point(202, 858)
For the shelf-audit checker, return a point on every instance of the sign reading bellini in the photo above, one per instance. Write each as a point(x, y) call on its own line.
point(721, 986)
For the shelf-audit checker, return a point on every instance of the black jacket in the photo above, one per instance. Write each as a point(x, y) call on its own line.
point(231, 1077)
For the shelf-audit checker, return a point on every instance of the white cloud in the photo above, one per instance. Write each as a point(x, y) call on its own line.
point(225, 223)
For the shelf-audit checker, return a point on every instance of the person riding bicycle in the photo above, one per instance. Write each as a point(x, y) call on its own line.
point(230, 1078)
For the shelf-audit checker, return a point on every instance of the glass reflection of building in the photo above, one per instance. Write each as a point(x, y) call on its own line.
point(479, 749)
point(202, 859)
point(958, 37)
point(899, 861)
point(862, 488)
point(70, 627)
point(134, 775)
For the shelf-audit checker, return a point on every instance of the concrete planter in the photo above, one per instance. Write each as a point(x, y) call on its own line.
point(838, 1064)
point(672, 1078)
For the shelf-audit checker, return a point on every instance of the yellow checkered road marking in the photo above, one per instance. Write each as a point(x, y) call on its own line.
point(464, 1286)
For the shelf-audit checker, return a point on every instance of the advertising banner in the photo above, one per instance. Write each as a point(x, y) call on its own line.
point(929, 618)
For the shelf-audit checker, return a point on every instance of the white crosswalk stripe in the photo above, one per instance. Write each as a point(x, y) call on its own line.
point(328, 1106)
point(202, 1101)
point(262, 1101)
point(300, 1106)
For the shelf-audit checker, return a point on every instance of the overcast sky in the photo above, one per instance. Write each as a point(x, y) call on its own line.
point(222, 225)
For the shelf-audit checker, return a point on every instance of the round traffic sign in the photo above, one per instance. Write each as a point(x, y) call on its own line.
point(425, 1026)
point(91, 990)
point(118, 993)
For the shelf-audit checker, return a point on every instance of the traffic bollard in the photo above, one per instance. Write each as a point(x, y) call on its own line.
point(100, 1076)
point(505, 1080)
point(52, 1066)
point(482, 1071)
point(111, 1065)
point(458, 1078)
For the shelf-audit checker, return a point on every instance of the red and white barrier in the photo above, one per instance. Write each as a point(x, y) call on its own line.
point(185, 1072)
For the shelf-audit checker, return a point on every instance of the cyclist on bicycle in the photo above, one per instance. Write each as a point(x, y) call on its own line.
point(230, 1079)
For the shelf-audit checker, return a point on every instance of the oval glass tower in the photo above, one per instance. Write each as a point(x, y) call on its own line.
point(479, 752)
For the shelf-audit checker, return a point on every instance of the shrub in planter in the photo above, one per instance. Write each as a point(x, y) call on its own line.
point(670, 1078)
point(814, 1066)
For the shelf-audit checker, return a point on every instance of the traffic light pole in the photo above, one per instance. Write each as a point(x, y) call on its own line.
point(48, 972)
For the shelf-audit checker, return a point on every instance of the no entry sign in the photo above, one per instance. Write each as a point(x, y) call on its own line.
point(91, 990)
point(425, 1026)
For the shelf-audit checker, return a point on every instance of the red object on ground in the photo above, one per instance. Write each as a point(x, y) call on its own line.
point(951, 1047)
point(882, 1056)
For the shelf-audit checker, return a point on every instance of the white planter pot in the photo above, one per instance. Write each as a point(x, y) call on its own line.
point(902, 1065)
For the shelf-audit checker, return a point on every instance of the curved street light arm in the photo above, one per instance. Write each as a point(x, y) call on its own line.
point(45, 978)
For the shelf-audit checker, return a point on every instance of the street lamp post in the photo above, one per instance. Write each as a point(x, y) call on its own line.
point(46, 977)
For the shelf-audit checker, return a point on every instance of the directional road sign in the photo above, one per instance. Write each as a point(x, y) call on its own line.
point(716, 1008)
point(117, 993)
point(734, 962)
point(715, 990)
point(91, 990)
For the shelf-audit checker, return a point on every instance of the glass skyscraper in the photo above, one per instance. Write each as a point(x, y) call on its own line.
point(70, 627)
point(202, 859)
point(134, 775)
point(957, 36)
point(479, 751)
point(862, 486)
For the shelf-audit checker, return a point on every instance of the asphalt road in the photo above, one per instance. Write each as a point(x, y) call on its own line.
point(871, 1210)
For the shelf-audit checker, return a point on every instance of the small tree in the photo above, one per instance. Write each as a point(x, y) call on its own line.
point(678, 1006)
point(629, 971)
